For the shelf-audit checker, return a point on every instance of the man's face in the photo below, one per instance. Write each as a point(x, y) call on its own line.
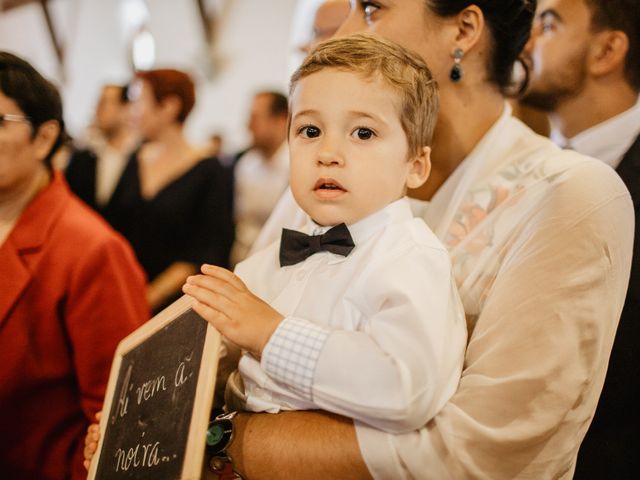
point(263, 124)
point(327, 20)
point(109, 111)
point(557, 53)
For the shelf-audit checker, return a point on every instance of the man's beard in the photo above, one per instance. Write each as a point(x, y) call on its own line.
point(544, 101)
point(558, 88)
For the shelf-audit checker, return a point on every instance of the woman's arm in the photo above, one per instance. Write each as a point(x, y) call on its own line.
point(296, 445)
point(169, 283)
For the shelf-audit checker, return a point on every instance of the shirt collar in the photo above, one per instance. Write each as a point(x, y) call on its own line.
point(608, 140)
point(360, 231)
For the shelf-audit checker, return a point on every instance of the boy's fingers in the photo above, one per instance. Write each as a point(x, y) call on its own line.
point(223, 274)
point(216, 318)
point(92, 435)
point(213, 300)
point(214, 284)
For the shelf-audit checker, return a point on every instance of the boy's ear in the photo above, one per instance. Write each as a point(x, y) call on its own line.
point(419, 168)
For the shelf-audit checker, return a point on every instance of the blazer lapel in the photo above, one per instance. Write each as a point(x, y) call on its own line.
point(629, 171)
point(21, 251)
point(14, 278)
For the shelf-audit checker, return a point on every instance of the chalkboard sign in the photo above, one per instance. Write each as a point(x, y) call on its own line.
point(158, 399)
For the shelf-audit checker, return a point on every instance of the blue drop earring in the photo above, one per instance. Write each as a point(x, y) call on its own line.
point(456, 70)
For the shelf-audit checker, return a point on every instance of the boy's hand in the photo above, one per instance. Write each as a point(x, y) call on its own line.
point(225, 302)
point(91, 441)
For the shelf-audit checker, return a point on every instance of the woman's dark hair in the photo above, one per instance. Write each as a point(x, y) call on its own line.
point(168, 82)
point(510, 24)
point(37, 97)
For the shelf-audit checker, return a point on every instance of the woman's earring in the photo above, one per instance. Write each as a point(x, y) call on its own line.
point(456, 71)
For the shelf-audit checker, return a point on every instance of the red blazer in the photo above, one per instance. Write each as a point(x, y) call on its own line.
point(70, 290)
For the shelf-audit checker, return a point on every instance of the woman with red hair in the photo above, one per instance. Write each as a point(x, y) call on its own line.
point(173, 205)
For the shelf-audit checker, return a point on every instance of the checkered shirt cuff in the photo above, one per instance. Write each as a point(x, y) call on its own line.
point(291, 355)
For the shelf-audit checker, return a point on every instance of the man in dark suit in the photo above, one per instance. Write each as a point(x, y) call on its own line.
point(584, 62)
point(95, 168)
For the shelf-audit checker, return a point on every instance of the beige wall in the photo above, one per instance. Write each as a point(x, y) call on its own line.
point(254, 51)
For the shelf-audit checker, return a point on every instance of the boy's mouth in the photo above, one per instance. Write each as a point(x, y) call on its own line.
point(328, 184)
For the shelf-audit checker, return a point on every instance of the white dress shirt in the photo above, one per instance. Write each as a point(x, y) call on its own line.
point(259, 183)
point(608, 141)
point(109, 167)
point(541, 243)
point(378, 335)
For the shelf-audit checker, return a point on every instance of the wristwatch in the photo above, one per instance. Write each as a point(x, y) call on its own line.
point(219, 437)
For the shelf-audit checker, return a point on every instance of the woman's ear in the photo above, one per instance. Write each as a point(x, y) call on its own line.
point(45, 138)
point(471, 26)
point(172, 105)
point(419, 168)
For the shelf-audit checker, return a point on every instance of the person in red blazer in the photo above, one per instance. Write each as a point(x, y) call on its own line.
point(70, 290)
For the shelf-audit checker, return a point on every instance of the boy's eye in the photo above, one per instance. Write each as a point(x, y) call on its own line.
point(309, 131)
point(363, 133)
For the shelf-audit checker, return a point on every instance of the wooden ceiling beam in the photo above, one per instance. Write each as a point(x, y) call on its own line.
point(9, 4)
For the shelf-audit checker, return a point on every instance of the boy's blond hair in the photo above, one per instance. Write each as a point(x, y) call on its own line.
point(403, 70)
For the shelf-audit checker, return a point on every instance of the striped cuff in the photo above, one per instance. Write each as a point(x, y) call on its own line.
point(291, 355)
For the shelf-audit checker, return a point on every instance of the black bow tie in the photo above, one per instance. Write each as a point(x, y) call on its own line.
point(296, 246)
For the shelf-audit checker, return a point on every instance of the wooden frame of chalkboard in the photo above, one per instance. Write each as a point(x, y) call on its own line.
point(158, 399)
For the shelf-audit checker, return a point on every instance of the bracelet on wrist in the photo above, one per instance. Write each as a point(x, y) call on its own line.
point(220, 435)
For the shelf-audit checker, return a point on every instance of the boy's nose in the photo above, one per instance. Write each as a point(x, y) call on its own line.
point(330, 150)
point(330, 158)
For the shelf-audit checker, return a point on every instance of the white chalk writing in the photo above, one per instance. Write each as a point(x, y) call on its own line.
point(123, 399)
point(145, 455)
point(149, 388)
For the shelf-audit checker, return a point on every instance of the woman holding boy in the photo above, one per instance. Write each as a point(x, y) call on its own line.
point(541, 245)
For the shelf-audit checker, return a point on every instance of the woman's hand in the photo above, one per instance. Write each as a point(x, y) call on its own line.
point(226, 303)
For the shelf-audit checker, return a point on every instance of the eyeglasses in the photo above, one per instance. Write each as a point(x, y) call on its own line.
point(10, 117)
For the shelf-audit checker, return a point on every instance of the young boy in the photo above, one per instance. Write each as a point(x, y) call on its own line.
point(362, 320)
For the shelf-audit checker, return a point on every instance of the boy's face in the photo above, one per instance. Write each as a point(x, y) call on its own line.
point(349, 154)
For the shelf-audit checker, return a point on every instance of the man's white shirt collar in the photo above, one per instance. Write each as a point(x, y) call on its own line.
point(608, 141)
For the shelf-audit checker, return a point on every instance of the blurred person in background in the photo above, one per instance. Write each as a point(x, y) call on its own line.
point(173, 205)
point(262, 172)
point(95, 167)
point(326, 21)
point(584, 58)
point(70, 290)
point(214, 146)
